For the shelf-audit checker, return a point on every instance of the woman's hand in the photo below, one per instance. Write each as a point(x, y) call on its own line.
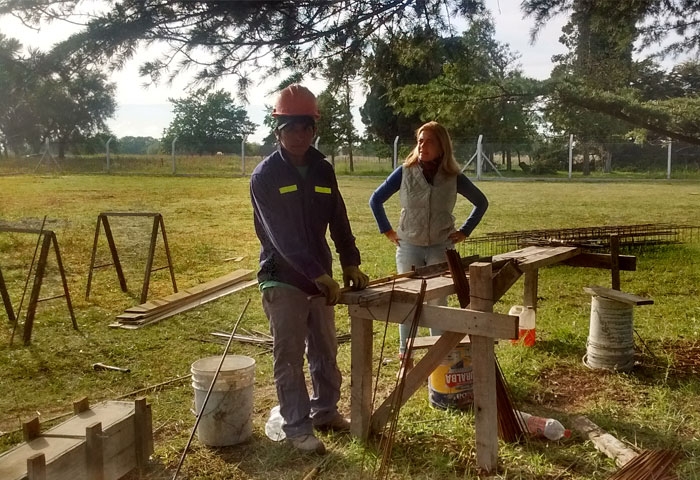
point(457, 236)
point(393, 237)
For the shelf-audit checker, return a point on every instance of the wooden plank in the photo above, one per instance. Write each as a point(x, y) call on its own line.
point(143, 432)
point(133, 325)
point(603, 441)
point(360, 376)
point(447, 319)
point(163, 303)
point(107, 413)
point(81, 405)
point(430, 340)
point(602, 260)
point(504, 279)
point(618, 296)
point(415, 378)
point(94, 456)
point(546, 258)
point(484, 370)
point(404, 290)
point(31, 429)
point(530, 288)
point(36, 467)
point(61, 455)
point(615, 261)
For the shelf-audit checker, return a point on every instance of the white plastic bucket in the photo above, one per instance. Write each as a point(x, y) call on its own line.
point(226, 419)
point(451, 385)
point(610, 342)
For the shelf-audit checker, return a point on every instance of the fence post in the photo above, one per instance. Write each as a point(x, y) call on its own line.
point(107, 147)
point(478, 157)
point(395, 158)
point(571, 153)
point(243, 156)
point(668, 161)
point(172, 152)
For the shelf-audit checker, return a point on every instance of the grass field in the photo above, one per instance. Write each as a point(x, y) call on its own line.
point(209, 222)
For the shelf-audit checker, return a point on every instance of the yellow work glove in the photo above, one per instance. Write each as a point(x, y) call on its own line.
point(329, 288)
point(352, 276)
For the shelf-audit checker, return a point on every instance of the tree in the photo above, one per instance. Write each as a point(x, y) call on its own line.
point(50, 98)
point(221, 38)
point(412, 58)
point(329, 130)
point(598, 75)
point(478, 91)
point(208, 122)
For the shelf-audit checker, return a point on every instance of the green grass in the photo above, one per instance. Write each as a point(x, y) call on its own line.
point(209, 221)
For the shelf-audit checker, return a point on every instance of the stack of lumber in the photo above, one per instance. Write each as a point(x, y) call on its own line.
point(164, 307)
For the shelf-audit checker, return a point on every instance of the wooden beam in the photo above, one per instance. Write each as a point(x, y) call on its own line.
point(505, 278)
point(530, 288)
point(602, 260)
point(447, 319)
point(615, 261)
point(618, 296)
point(402, 290)
point(360, 376)
point(31, 429)
point(94, 453)
point(81, 405)
point(36, 467)
point(430, 340)
point(484, 370)
point(415, 378)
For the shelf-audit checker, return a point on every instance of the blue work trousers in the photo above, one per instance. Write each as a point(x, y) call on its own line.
point(298, 325)
point(409, 256)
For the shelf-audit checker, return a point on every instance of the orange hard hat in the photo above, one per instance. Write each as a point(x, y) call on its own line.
point(296, 100)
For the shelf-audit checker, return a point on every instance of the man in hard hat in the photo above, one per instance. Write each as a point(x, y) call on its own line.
point(295, 201)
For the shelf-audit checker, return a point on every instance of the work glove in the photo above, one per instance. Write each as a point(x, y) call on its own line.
point(329, 288)
point(352, 276)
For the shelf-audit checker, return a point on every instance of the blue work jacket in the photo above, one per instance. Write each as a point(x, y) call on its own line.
point(292, 215)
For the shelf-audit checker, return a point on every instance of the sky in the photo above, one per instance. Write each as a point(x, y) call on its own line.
point(145, 111)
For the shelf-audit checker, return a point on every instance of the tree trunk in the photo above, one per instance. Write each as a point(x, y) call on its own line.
point(586, 163)
point(509, 160)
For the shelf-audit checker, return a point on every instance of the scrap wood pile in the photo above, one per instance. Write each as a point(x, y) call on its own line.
point(164, 307)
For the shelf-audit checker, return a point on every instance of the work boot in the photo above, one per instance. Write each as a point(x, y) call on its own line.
point(407, 365)
point(307, 443)
point(336, 424)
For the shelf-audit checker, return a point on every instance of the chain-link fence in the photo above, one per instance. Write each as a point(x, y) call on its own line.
point(563, 157)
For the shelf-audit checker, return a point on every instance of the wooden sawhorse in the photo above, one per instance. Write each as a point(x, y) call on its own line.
point(488, 282)
point(103, 218)
point(49, 238)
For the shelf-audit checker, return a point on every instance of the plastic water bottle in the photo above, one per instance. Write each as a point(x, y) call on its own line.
point(526, 324)
point(273, 427)
point(542, 427)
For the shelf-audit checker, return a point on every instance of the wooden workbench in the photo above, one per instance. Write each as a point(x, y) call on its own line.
point(396, 301)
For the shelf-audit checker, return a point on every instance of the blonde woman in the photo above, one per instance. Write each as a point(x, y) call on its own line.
point(428, 183)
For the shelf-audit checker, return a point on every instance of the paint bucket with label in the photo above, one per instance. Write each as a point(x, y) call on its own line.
point(451, 385)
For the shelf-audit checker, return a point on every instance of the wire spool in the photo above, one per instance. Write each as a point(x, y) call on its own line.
point(610, 344)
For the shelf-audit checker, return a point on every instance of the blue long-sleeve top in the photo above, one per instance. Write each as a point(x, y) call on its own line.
point(393, 184)
point(292, 214)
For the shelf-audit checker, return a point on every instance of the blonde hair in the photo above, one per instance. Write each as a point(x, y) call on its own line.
point(448, 164)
